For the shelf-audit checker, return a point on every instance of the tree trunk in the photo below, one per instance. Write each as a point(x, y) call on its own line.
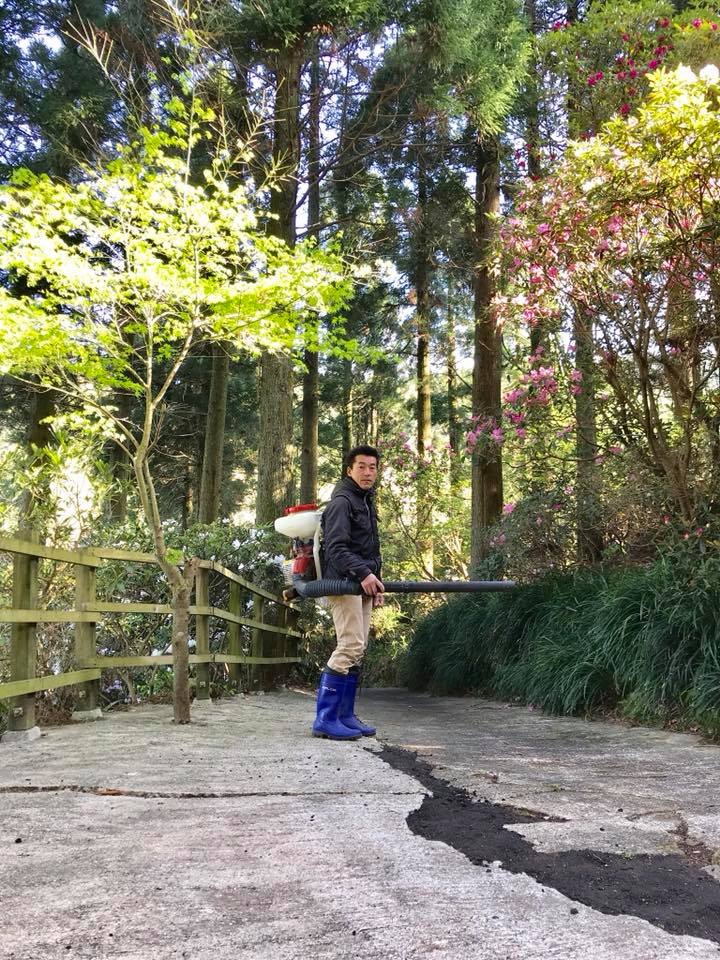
point(275, 388)
point(180, 581)
point(588, 477)
point(347, 408)
point(423, 504)
point(120, 465)
point(180, 587)
point(311, 386)
point(453, 422)
point(212, 467)
point(39, 439)
point(532, 132)
point(487, 480)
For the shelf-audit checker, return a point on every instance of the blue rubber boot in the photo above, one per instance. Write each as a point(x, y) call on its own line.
point(347, 707)
point(331, 692)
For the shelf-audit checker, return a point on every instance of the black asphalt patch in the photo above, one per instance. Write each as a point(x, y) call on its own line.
point(666, 890)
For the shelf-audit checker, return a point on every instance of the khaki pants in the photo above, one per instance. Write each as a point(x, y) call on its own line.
point(352, 625)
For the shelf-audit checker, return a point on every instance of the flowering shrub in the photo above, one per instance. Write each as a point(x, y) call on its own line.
point(611, 54)
point(625, 234)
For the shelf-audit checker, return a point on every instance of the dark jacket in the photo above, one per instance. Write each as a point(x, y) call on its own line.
point(350, 534)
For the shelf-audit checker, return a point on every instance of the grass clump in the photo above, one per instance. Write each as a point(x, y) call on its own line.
point(641, 642)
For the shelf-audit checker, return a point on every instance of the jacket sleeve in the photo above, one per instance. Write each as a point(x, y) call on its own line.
point(337, 543)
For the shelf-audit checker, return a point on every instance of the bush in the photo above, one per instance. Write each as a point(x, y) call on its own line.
point(643, 642)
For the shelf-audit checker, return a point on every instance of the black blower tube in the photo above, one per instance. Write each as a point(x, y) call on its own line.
point(337, 588)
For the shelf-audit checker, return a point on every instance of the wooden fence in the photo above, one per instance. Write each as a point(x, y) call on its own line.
point(269, 643)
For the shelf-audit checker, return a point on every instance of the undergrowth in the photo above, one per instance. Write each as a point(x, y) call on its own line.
point(642, 643)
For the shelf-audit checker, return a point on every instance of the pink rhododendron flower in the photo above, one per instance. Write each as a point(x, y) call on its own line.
point(520, 433)
point(508, 508)
point(697, 22)
point(497, 435)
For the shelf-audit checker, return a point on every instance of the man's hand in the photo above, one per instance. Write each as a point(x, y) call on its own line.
point(372, 586)
point(378, 600)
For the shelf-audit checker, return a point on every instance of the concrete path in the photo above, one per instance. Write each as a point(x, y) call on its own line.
point(242, 837)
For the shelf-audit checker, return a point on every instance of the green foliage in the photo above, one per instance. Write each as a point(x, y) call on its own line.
point(642, 642)
point(136, 260)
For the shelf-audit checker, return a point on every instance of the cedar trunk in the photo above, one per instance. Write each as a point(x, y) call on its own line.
point(39, 440)
point(311, 384)
point(423, 508)
point(212, 465)
point(487, 479)
point(275, 389)
point(453, 422)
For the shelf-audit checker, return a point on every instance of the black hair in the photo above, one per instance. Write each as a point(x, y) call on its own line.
point(362, 451)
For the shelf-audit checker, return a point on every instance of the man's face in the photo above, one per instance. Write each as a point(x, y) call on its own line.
point(363, 471)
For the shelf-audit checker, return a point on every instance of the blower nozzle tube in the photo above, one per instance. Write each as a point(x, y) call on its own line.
point(338, 588)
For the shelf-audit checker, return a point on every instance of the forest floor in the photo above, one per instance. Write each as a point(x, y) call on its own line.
point(468, 829)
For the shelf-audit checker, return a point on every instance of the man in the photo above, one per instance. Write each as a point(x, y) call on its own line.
point(352, 552)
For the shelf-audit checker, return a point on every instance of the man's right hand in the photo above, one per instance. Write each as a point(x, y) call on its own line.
point(372, 586)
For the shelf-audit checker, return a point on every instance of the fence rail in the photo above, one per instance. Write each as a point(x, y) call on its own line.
point(268, 645)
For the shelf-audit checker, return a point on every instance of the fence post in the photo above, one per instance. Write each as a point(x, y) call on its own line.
point(233, 635)
point(85, 648)
point(256, 641)
point(202, 634)
point(23, 651)
point(281, 671)
point(293, 617)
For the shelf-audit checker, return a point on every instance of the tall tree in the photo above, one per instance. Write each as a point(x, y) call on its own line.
point(311, 376)
point(487, 476)
point(212, 463)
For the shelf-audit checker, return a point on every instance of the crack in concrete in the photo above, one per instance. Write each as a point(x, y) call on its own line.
point(671, 891)
point(695, 850)
point(199, 795)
